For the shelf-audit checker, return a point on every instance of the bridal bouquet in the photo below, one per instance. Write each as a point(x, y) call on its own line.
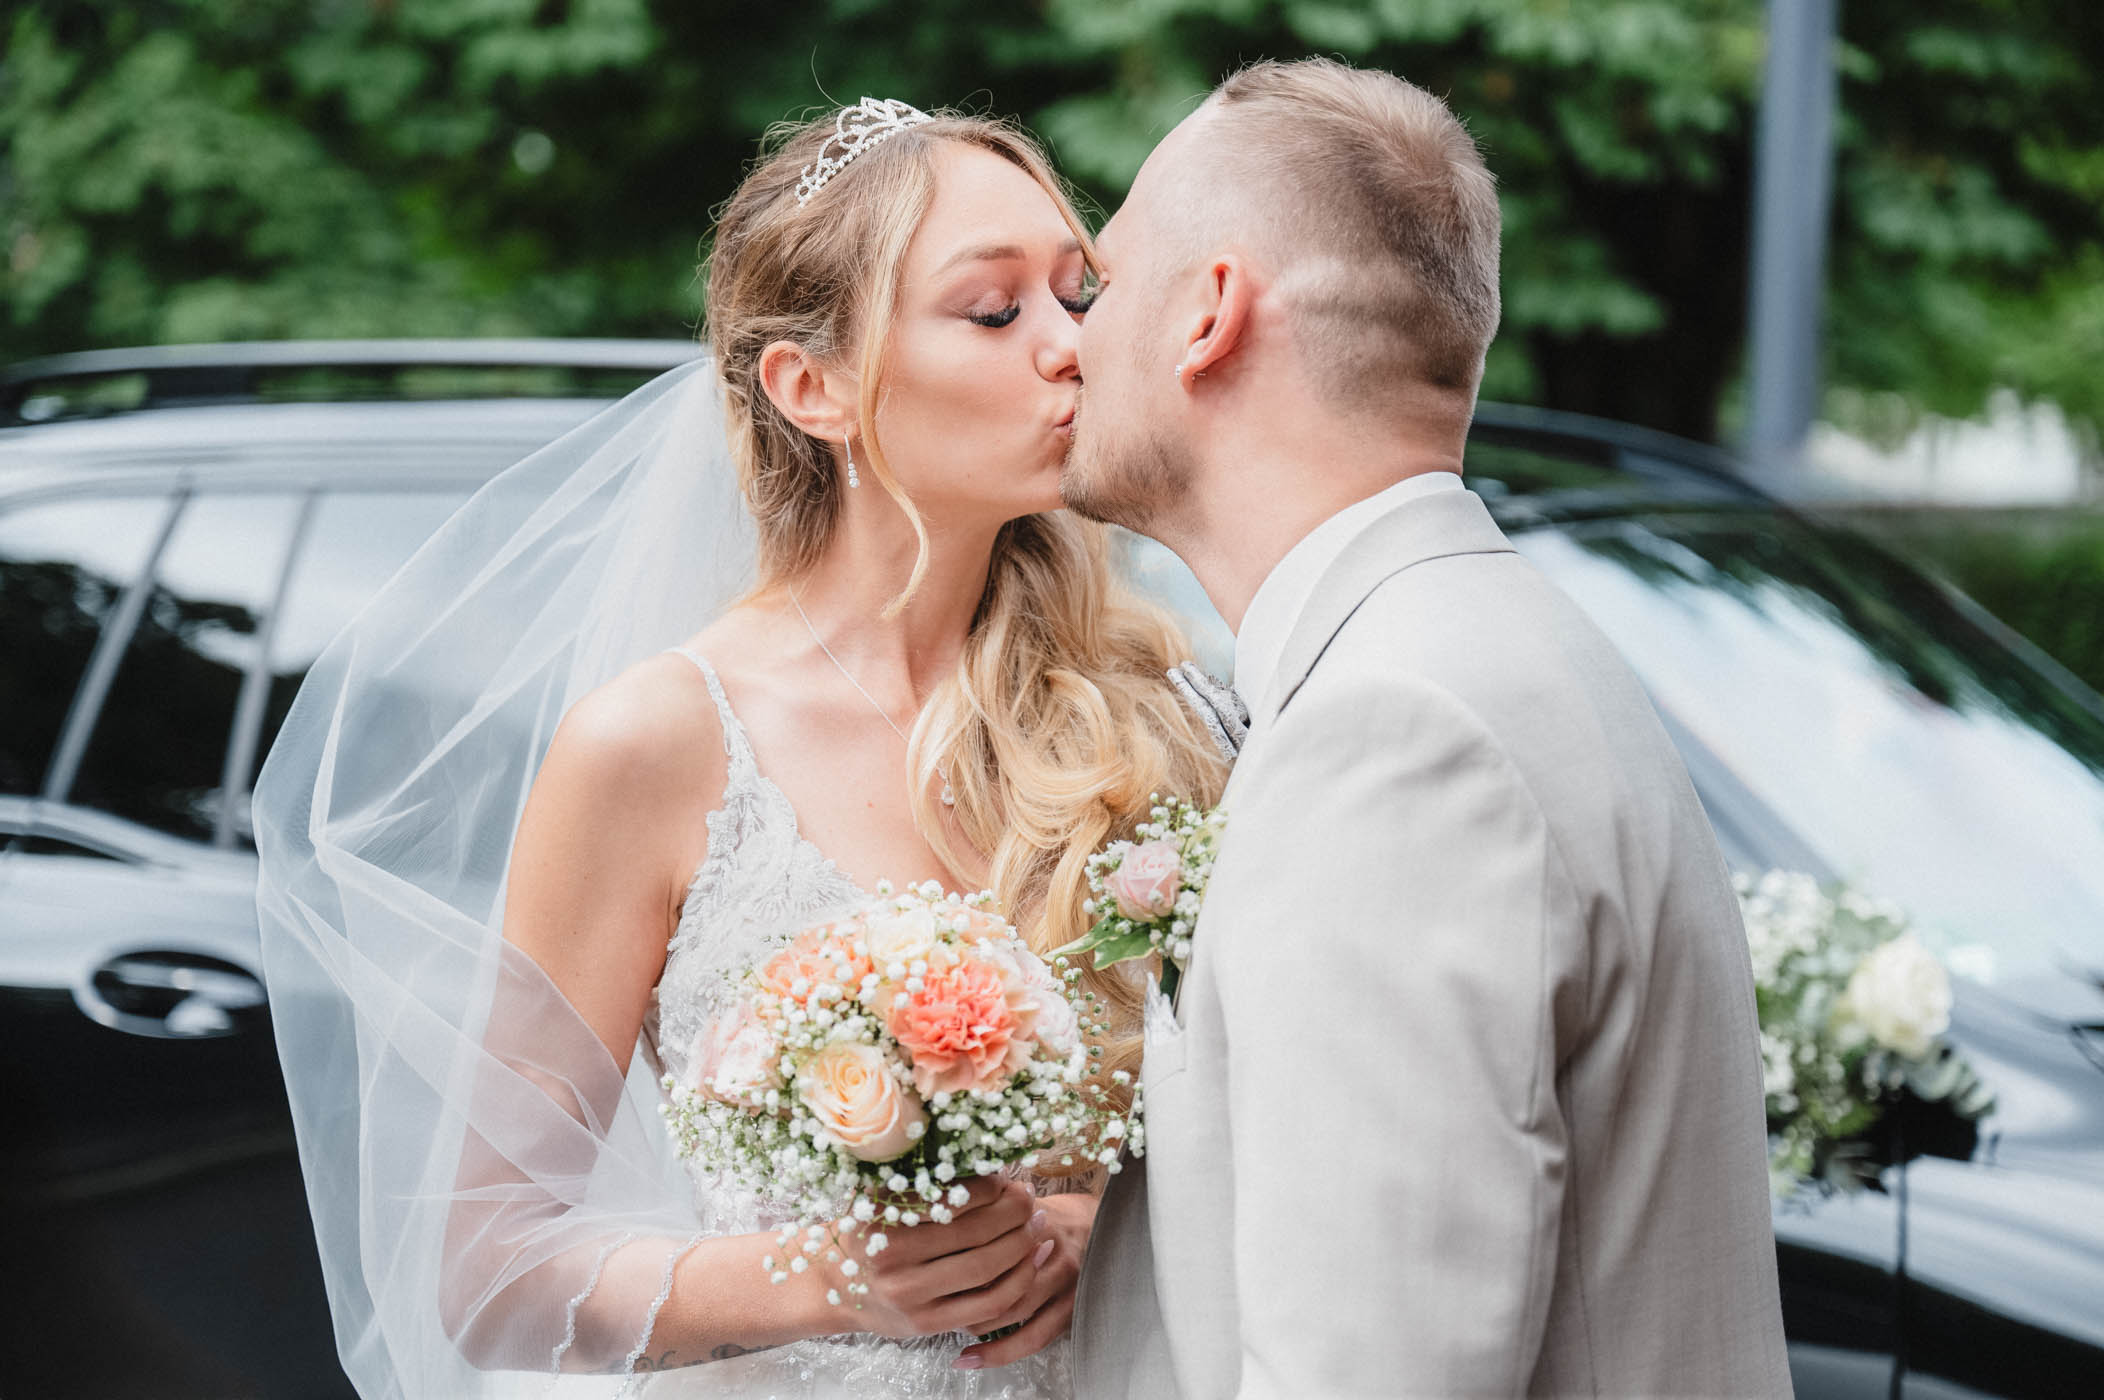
point(868, 1067)
point(1146, 894)
point(1852, 1013)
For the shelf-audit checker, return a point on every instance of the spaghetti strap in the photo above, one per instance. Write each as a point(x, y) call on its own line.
point(757, 859)
point(735, 744)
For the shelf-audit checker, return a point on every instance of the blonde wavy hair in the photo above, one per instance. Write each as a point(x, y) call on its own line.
point(1059, 724)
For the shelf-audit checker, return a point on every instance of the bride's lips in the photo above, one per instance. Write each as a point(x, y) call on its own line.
point(1065, 423)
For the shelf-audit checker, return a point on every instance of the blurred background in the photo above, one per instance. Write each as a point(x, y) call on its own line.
point(195, 170)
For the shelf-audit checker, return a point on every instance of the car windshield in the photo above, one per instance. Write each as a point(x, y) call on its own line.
point(1893, 736)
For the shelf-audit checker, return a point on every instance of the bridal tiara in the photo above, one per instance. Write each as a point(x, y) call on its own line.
point(867, 124)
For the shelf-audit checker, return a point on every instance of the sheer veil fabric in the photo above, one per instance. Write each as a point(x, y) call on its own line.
point(492, 1195)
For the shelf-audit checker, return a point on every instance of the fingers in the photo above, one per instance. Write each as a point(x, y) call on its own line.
point(969, 1269)
point(1055, 1273)
point(1008, 1208)
point(1046, 1327)
point(1002, 1295)
point(936, 1278)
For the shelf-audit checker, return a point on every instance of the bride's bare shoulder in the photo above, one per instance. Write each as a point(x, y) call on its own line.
point(650, 736)
point(617, 818)
point(653, 731)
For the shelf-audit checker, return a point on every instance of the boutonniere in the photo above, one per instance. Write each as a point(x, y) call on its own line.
point(1145, 894)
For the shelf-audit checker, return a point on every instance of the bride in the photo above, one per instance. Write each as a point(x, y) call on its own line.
point(608, 738)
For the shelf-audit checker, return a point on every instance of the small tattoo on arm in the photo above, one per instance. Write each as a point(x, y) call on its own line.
point(671, 1360)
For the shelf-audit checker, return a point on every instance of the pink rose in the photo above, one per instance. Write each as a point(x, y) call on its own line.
point(848, 1088)
point(1057, 1026)
point(1147, 880)
point(736, 1058)
point(958, 1027)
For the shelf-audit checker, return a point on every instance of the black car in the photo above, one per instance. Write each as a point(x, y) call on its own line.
point(182, 529)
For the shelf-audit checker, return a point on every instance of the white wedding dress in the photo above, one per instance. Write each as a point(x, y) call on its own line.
point(760, 883)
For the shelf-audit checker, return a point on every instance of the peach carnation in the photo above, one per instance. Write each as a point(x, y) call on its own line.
point(958, 1027)
point(816, 955)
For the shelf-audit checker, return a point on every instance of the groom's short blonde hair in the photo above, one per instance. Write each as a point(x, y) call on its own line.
point(1381, 211)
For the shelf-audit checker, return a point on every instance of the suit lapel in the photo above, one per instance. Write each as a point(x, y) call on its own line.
point(1430, 527)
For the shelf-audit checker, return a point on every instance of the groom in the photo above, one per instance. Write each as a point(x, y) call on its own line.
point(1461, 1094)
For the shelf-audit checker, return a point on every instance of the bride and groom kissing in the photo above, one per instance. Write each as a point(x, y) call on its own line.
point(1459, 1093)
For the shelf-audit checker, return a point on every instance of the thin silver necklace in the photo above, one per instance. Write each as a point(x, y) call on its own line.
point(949, 798)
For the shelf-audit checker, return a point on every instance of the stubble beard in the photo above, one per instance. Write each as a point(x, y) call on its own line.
point(1134, 483)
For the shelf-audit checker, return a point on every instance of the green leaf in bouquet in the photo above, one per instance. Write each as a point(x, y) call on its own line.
point(1113, 942)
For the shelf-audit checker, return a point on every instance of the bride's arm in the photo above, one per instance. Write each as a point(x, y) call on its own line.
point(597, 876)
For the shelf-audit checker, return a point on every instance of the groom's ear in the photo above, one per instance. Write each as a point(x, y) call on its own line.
point(1229, 291)
point(819, 400)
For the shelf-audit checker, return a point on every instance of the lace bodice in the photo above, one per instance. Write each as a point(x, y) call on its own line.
point(760, 884)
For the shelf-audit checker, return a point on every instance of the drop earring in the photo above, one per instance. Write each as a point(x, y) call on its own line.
point(852, 480)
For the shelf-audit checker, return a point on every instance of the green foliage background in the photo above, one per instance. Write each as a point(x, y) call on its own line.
point(176, 170)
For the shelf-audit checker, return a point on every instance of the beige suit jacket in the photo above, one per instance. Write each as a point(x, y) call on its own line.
point(1462, 1092)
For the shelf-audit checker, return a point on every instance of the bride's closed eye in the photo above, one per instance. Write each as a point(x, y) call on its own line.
point(996, 319)
point(1077, 305)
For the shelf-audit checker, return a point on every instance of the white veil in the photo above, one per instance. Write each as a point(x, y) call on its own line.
point(491, 1194)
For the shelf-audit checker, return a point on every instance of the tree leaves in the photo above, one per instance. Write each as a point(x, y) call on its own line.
point(206, 168)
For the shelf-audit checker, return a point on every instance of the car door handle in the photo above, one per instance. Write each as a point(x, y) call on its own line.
point(169, 995)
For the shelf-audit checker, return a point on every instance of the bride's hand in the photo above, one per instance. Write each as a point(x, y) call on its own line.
point(934, 1278)
point(1048, 1306)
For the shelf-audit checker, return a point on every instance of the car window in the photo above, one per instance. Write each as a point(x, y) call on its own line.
point(1495, 468)
point(356, 542)
point(158, 751)
point(63, 567)
point(1918, 757)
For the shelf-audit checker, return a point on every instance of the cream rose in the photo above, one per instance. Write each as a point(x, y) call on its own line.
point(1148, 879)
point(899, 937)
point(1900, 995)
point(736, 1057)
point(848, 1088)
